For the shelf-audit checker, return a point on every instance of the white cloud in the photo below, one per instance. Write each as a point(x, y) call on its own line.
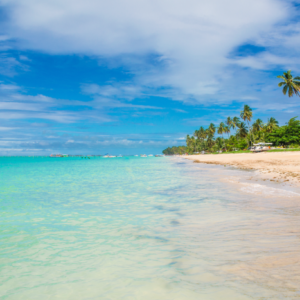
point(15, 104)
point(265, 61)
point(109, 96)
point(190, 38)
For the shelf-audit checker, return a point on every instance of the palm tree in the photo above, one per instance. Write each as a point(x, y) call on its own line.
point(211, 129)
point(246, 115)
point(193, 144)
point(290, 84)
point(196, 133)
point(258, 125)
point(258, 129)
point(227, 130)
point(271, 125)
point(235, 122)
point(229, 123)
point(210, 140)
point(201, 133)
point(188, 143)
point(219, 143)
point(242, 130)
point(221, 130)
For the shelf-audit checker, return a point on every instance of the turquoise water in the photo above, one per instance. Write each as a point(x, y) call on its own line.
point(142, 228)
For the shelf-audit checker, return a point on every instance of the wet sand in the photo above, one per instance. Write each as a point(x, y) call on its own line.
point(260, 239)
point(274, 166)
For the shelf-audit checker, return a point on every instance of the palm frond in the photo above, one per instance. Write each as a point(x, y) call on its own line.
point(281, 77)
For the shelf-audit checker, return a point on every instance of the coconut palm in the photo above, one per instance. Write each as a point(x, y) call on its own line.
point(196, 133)
point(242, 130)
point(219, 143)
point(258, 125)
point(271, 124)
point(235, 122)
point(222, 130)
point(246, 115)
point(210, 140)
point(258, 129)
point(227, 130)
point(188, 143)
point(290, 84)
point(202, 133)
point(229, 123)
point(211, 129)
point(193, 144)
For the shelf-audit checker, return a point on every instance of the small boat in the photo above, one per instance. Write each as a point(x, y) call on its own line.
point(105, 156)
point(112, 156)
point(136, 155)
point(260, 147)
point(159, 155)
point(120, 155)
point(143, 155)
point(150, 155)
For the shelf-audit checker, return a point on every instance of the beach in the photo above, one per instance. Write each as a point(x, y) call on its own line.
point(274, 166)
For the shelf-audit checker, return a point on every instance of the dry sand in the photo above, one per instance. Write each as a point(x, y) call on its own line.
point(275, 166)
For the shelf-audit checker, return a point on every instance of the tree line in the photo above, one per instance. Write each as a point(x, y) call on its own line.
point(239, 133)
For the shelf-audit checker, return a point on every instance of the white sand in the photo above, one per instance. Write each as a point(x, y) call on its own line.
point(276, 166)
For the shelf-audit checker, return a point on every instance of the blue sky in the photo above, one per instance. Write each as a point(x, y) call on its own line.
point(136, 76)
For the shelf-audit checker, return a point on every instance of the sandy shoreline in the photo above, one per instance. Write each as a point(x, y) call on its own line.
point(280, 166)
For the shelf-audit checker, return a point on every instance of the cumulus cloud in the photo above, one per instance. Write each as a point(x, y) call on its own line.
point(190, 39)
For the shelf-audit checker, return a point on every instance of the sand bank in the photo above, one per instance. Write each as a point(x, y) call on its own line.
point(275, 166)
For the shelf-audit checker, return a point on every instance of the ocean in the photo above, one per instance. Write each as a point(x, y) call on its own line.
point(146, 229)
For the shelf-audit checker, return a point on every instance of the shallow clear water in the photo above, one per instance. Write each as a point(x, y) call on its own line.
point(143, 228)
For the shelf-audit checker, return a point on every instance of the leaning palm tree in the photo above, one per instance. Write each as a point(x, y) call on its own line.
point(271, 124)
point(290, 84)
point(246, 115)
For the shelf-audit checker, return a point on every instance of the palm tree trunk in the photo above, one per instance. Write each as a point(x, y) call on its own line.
point(224, 142)
point(252, 142)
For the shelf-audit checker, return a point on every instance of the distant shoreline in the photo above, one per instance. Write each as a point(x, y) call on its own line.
point(274, 166)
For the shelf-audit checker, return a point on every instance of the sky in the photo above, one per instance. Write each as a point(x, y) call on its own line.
point(137, 76)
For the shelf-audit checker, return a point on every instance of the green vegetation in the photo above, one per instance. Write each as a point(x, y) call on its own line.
point(243, 135)
point(290, 84)
point(175, 150)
